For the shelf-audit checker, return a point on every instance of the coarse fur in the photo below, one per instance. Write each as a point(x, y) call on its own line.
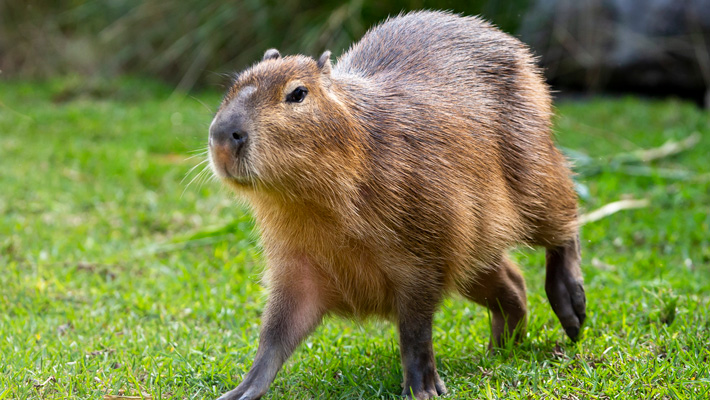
point(406, 172)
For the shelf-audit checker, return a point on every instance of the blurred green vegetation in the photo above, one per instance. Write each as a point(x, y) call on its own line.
point(194, 42)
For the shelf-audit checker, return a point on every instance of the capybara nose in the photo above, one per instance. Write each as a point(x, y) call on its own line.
point(228, 134)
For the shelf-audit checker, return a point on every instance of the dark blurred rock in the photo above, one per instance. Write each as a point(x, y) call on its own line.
point(652, 46)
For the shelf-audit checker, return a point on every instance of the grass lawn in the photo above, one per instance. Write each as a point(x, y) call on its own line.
point(117, 278)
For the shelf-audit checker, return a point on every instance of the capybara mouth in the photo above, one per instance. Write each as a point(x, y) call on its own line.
point(230, 163)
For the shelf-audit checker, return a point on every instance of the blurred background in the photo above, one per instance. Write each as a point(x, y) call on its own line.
point(652, 47)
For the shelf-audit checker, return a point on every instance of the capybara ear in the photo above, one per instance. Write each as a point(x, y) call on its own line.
point(324, 62)
point(271, 54)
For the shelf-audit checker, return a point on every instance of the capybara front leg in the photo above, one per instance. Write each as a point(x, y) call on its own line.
point(415, 342)
point(565, 287)
point(290, 315)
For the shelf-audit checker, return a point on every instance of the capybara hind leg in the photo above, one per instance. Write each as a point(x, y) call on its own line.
point(565, 287)
point(501, 288)
point(291, 313)
point(421, 380)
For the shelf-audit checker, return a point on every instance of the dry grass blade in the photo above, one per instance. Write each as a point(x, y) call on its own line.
point(612, 208)
point(47, 381)
point(670, 148)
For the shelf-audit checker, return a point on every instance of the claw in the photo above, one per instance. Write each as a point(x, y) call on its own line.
point(433, 389)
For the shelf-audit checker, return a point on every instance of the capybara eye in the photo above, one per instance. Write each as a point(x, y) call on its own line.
point(297, 95)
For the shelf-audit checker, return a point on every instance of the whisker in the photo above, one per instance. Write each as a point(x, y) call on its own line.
point(190, 183)
point(201, 176)
point(200, 150)
point(208, 108)
point(205, 169)
point(205, 176)
point(193, 168)
point(196, 155)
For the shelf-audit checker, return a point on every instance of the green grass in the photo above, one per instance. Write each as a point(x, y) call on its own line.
point(118, 278)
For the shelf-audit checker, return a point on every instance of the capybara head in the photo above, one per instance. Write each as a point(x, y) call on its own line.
point(280, 126)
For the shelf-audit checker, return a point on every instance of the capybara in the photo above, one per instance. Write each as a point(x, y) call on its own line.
point(400, 174)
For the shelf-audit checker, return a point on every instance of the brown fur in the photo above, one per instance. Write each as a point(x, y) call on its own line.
point(406, 172)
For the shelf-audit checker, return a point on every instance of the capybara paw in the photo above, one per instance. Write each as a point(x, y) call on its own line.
point(578, 301)
point(424, 390)
point(244, 391)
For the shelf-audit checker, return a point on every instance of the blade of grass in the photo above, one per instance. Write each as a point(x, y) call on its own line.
point(612, 208)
